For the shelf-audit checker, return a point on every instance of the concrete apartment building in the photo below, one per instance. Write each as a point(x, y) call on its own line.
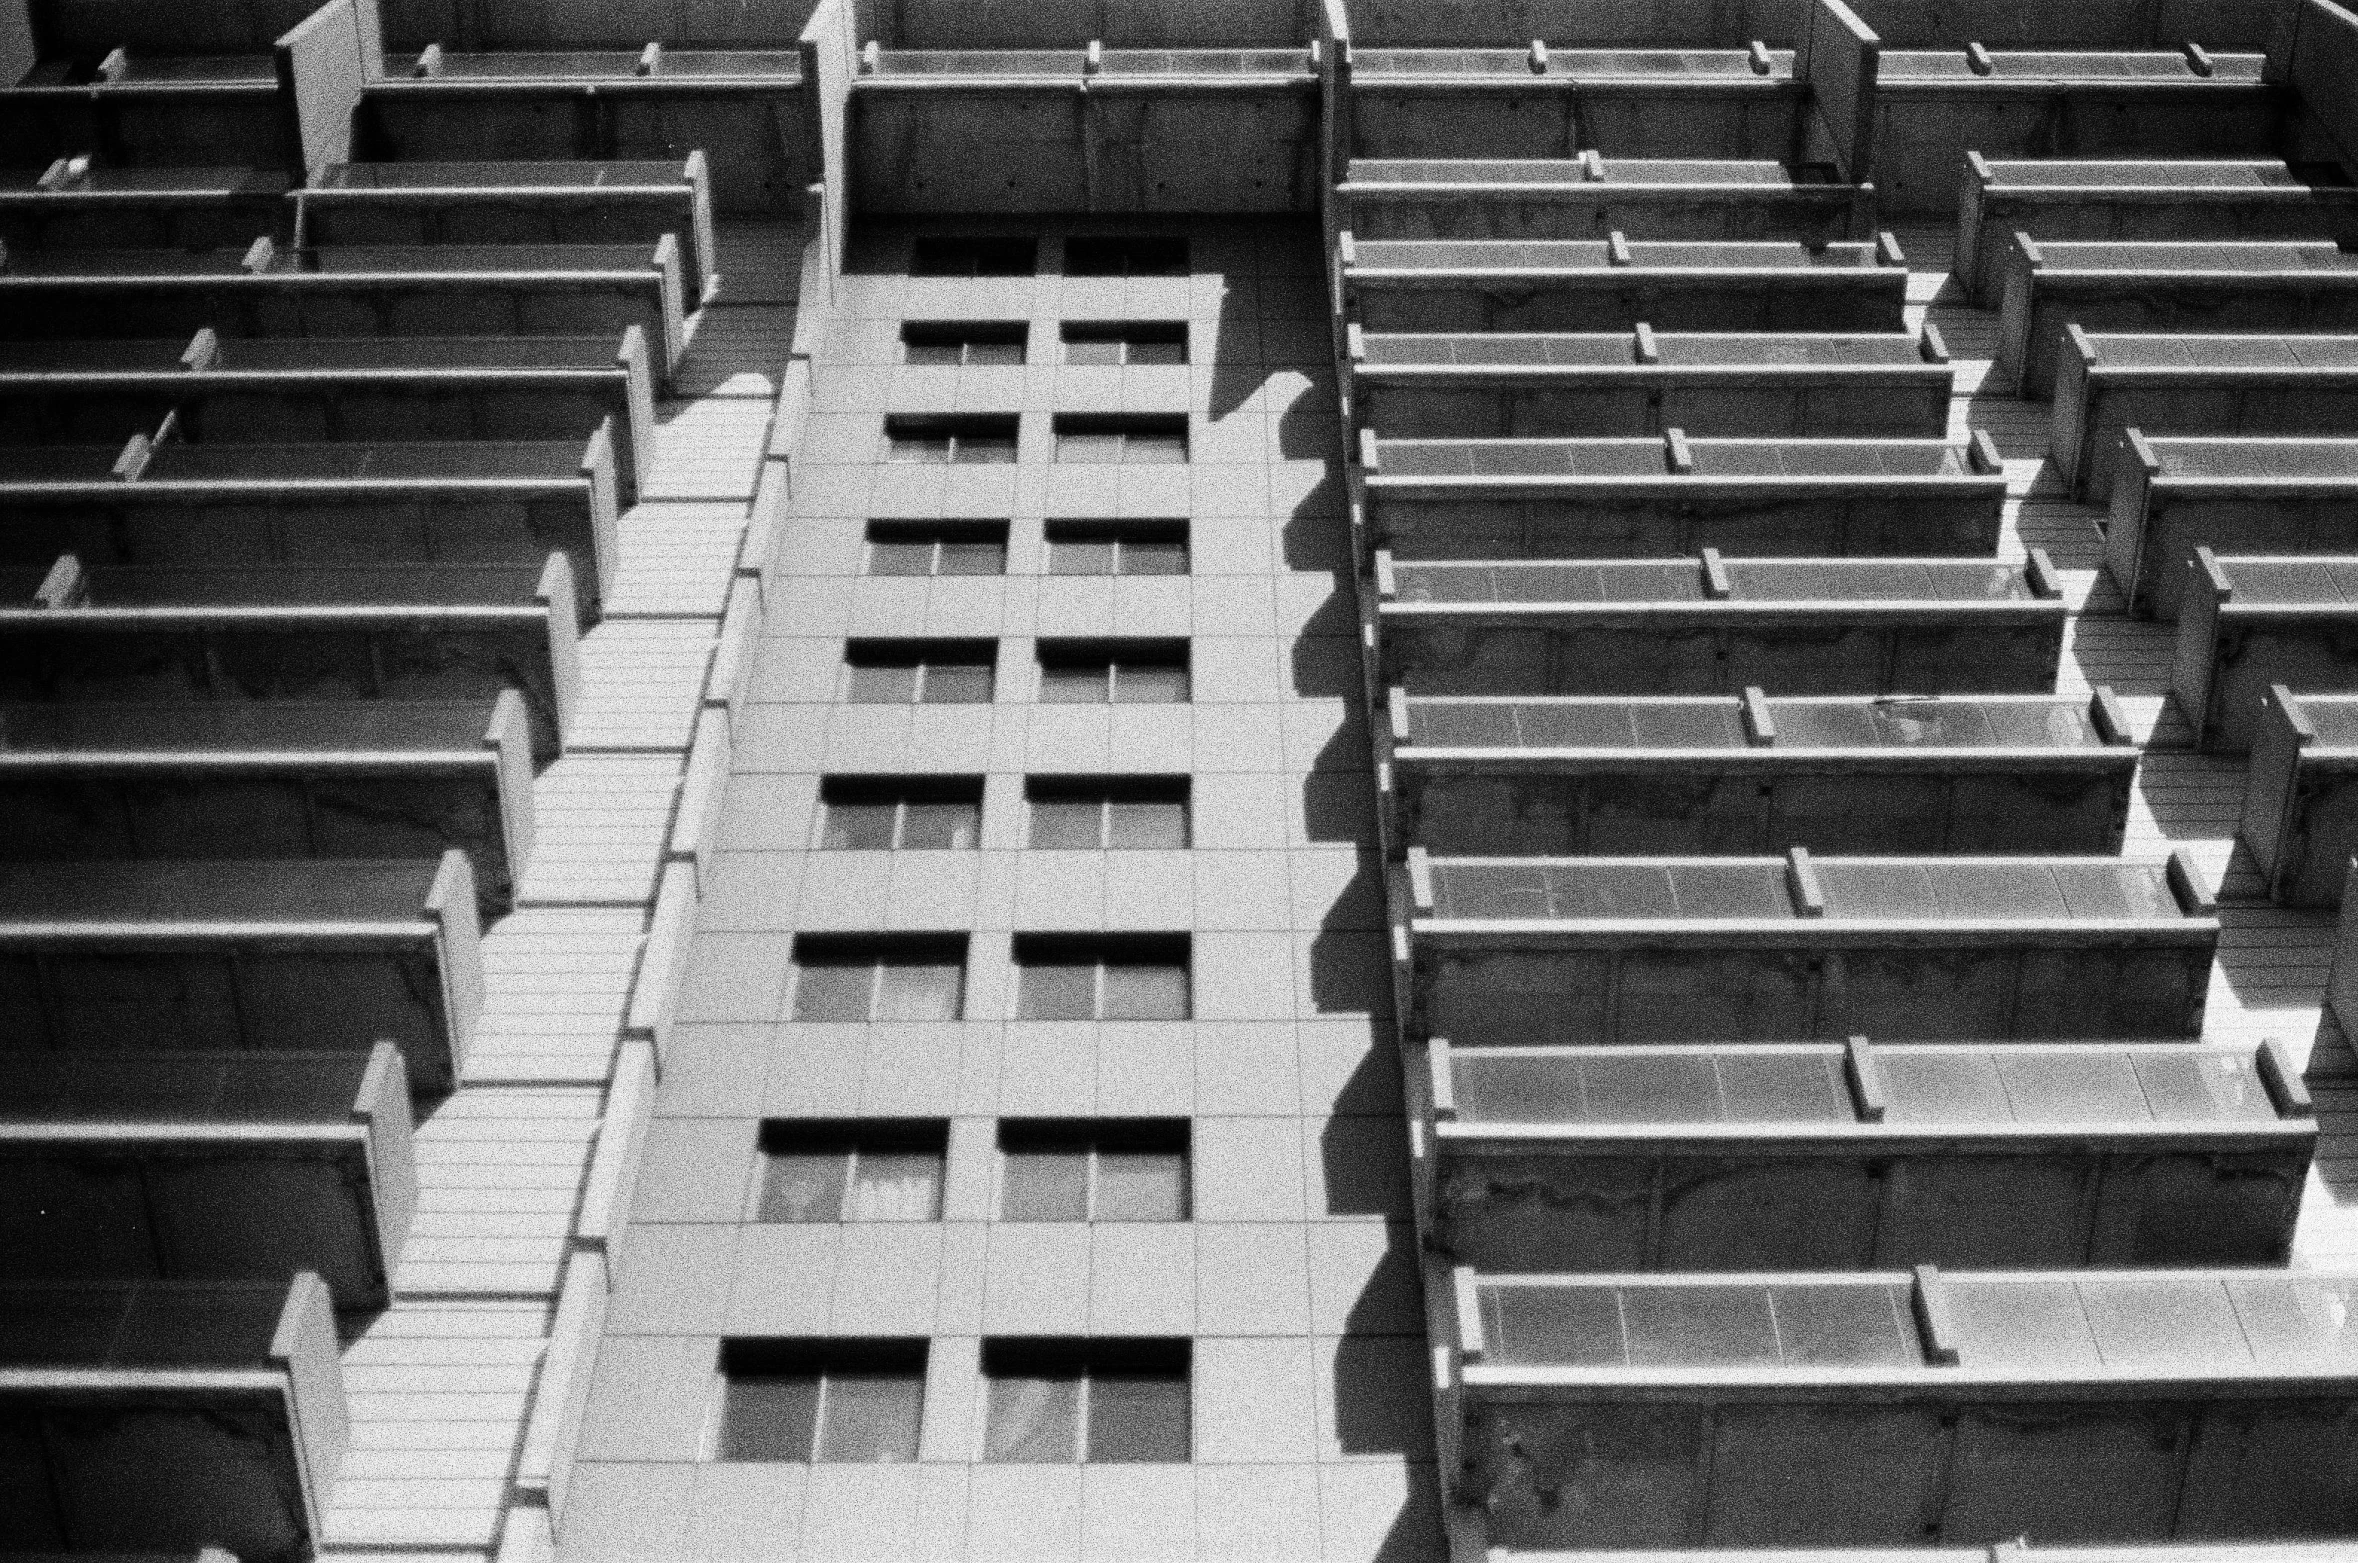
point(1357, 782)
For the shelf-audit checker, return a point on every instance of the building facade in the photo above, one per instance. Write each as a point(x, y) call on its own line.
point(1268, 782)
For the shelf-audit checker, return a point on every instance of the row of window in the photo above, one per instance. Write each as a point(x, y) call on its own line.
point(1067, 1170)
point(1057, 1401)
point(1047, 1401)
point(922, 977)
point(1084, 439)
point(1000, 343)
point(944, 813)
point(965, 672)
point(1119, 255)
point(980, 548)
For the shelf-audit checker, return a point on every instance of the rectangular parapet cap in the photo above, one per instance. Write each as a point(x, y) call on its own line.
point(2104, 1332)
point(1520, 1097)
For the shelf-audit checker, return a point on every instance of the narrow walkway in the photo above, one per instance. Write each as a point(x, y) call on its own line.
point(2270, 976)
point(441, 1383)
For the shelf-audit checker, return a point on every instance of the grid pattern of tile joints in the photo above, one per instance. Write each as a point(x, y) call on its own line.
point(2269, 977)
point(1295, 1278)
point(441, 1383)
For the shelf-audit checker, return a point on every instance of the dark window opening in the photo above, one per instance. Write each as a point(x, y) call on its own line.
point(1126, 342)
point(959, 255)
point(1139, 256)
point(828, 1401)
point(1099, 1400)
point(1108, 813)
point(1117, 547)
point(851, 978)
point(964, 344)
point(851, 1170)
point(1086, 977)
point(936, 548)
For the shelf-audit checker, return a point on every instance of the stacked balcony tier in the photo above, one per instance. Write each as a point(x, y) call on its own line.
point(1856, 1156)
point(352, 390)
point(1718, 626)
point(207, 1167)
point(1791, 386)
point(1614, 283)
point(162, 504)
point(1748, 774)
point(1474, 499)
point(1734, 949)
point(434, 290)
point(319, 955)
point(1895, 1408)
point(167, 1416)
point(215, 632)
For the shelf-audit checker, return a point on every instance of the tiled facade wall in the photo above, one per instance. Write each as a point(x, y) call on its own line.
point(1295, 1279)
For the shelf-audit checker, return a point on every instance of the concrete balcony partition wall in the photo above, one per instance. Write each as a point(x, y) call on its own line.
point(2163, 383)
point(1312, 781)
point(2249, 625)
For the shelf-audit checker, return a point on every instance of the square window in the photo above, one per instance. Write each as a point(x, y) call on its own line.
point(1044, 1183)
point(1034, 1417)
point(770, 1416)
point(848, 826)
point(798, 1401)
point(1145, 989)
point(1057, 990)
point(936, 548)
point(1099, 1400)
point(829, 987)
point(857, 1170)
point(1140, 1185)
point(1084, 683)
point(1068, 824)
point(1137, 1416)
point(919, 990)
point(900, 977)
